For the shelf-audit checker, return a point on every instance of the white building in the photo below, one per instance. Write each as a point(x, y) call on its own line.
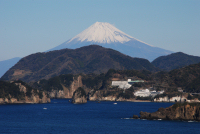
point(147, 93)
point(154, 93)
point(121, 84)
point(125, 84)
point(143, 93)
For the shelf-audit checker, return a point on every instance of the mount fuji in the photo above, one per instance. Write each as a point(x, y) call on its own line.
point(108, 36)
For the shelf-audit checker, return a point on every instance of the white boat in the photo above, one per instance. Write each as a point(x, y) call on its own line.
point(115, 103)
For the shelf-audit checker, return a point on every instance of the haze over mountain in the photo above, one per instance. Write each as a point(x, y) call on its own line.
point(89, 59)
point(175, 61)
point(6, 64)
point(106, 35)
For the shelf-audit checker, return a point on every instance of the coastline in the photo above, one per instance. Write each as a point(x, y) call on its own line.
point(178, 111)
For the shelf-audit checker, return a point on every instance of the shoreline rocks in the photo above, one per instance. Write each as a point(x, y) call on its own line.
point(178, 111)
point(18, 92)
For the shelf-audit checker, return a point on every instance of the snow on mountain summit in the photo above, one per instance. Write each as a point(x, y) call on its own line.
point(102, 32)
point(108, 36)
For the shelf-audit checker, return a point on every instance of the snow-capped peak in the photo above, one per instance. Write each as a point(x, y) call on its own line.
point(108, 36)
point(102, 32)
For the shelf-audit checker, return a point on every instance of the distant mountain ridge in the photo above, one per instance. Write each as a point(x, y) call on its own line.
point(106, 35)
point(187, 77)
point(88, 59)
point(6, 64)
point(175, 61)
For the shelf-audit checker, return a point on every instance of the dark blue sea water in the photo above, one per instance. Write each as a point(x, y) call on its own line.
point(62, 117)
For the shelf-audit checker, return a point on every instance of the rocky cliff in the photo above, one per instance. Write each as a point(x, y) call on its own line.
point(111, 95)
point(99, 87)
point(79, 96)
point(61, 89)
point(19, 92)
point(178, 111)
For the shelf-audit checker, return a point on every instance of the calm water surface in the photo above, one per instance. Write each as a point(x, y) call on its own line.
point(60, 116)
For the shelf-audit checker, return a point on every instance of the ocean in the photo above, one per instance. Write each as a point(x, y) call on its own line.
point(62, 117)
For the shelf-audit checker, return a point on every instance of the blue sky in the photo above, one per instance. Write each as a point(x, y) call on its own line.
point(30, 26)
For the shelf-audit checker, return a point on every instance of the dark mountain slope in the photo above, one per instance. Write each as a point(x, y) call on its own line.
point(175, 61)
point(88, 59)
point(186, 77)
point(6, 64)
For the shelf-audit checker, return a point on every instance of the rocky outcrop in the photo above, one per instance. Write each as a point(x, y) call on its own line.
point(35, 98)
point(57, 94)
point(172, 99)
point(36, 95)
point(61, 89)
point(110, 98)
point(98, 96)
point(77, 82)
point(105, 95)
point(135, 117)
point(32, 99)
point(94, 95)
point(21, 87)
point(175, 99)
point(178, 111)
point(20, 92)
point(79, 96)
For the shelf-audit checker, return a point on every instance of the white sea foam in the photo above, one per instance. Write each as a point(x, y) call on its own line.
point(126, 118)
point(143, 119)
point(191, 121)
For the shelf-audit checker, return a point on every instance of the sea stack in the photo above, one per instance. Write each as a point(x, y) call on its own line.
point(79, 96)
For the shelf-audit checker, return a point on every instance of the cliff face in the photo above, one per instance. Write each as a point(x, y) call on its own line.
point(100, 96)
point(185, 112)
point(172, 99)
point(21, 93)
point(75, 85)
point(36, 99)
point(79, 96)
point(66, 92)
point(105, 95)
